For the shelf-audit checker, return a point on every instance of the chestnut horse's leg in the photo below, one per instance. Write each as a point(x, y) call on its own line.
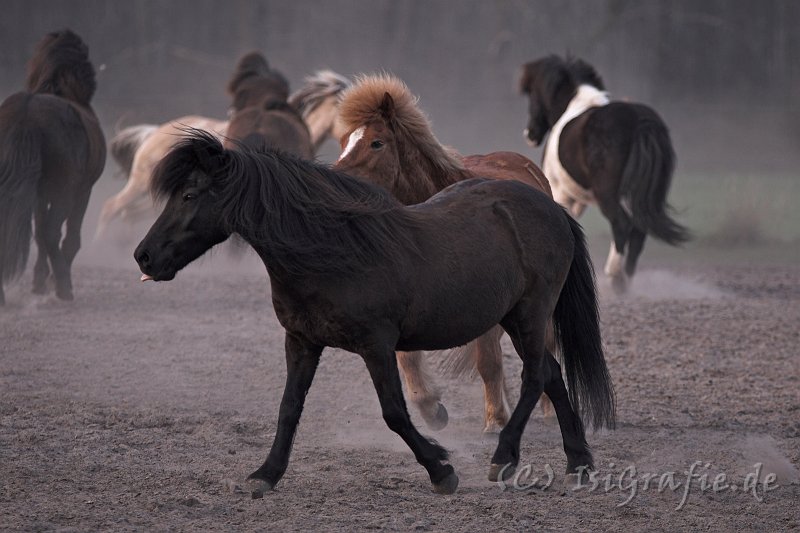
point(489, 360)
point(382, 366)
point(302, 358)
point(572, 432)
point(421, 390)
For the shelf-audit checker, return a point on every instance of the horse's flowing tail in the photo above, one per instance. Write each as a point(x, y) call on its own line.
point(126, 142)
point(577, 326)
point(20, 168)
point(646, 180)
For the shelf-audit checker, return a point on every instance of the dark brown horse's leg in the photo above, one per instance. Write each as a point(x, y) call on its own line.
point(421, 390)
point(302, 359)
point(382, 367)
point(572, 432)
point(526, 326)
point(489, 360)
point(53, 221)
point(41, 269)
point(72, 239)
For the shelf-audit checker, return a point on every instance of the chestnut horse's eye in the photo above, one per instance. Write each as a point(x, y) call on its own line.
point(377, 143)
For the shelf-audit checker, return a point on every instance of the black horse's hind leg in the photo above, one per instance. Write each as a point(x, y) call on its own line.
point(572, 431)
point(382, 367)
point(41, 269)
point(526, 327)
point(302, 358)
point(72, 240)
point(635, 247)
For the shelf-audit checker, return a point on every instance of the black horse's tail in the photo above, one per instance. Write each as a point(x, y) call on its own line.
point(20, 168)
point(577, 327)
point(646, 180)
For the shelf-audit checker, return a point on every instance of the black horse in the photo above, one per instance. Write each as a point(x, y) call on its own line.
point(52, 151)
point(617, 154)
point(352, 268)
point(260, 114)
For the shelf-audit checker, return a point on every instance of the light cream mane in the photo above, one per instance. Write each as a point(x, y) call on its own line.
point(361, 103)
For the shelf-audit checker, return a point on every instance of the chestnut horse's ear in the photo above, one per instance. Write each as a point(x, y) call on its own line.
point(387, 107)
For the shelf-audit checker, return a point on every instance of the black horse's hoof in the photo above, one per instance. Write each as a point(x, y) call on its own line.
point(448, 485)
point(437, 420)
point(259, 487)
point(502, 472)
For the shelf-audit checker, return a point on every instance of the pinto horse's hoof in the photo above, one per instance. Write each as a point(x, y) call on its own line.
point(437, 420)
point(448, 485)
point(502, 472)
point(258, 487)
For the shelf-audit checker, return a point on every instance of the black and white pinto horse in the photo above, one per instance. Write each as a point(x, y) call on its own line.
point(615, 154)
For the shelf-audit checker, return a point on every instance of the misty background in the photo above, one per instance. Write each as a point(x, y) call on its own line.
point(724, 75)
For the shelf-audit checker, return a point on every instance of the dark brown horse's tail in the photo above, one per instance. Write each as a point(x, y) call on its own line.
point(646, 180)
point(577, 327)
point(20, 168)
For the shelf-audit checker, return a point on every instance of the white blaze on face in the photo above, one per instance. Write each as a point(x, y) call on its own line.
point(352, 141)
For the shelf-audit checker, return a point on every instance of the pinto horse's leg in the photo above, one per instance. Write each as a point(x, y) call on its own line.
point(490, 366)
point(526, 325)
point(635, 247)
point(621, 227)
point(572, 431)
point(422, 392)
point(302, 358)
point(382, 366)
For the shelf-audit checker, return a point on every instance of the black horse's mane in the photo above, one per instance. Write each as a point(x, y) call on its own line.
point(60, 65)
point(309, 218)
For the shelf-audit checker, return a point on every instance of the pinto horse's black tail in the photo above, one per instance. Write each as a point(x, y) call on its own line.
point(577, 326)
point(20, 168)
point(646, 180)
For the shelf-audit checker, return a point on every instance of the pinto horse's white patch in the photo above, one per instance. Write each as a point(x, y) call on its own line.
point(352, 141)
point(614, 262)
point(565, 188)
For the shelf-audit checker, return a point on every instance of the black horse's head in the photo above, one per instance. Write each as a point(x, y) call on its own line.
point(549, 84)
point(191, 222)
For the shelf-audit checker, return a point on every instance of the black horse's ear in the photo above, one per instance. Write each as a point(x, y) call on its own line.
point(387, 107)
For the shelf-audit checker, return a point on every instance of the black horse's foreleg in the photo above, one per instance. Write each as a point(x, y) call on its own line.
point(382, 367)
point(302, 358)
point(572, 430)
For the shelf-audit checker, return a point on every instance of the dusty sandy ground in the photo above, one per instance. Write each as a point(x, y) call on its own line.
point(144, 406)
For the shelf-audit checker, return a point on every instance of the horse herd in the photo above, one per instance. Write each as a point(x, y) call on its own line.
point(402, 245)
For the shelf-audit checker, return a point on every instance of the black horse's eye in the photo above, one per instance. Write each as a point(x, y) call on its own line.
point(377, 143)
point(187, 196)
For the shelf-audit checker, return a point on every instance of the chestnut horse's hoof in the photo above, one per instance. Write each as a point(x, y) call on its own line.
point(259, 487)
point(448, 485)
point(501, 472)
point(437, 420)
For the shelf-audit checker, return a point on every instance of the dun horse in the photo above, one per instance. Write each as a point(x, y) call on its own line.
point(52, 151)
point(616, 154)
point(390, 143)
point(351, 267)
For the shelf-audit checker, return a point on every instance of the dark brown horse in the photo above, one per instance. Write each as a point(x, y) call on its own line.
point(260, 113)
point(52, 151)
point(389, 142)
point(616, 154)
point(350, 267)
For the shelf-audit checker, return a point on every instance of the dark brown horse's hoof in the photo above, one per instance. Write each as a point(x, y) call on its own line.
point(259, 487)
point(448, 485)
point(39, 289)
point(504, 471)
point(438, 420)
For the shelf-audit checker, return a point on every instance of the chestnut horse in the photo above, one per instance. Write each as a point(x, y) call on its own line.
point(615, 154)
point(390, 143)
point(52, 152)
point(351, 267)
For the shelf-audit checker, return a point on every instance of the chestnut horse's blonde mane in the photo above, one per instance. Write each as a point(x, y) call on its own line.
point(361, 104)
